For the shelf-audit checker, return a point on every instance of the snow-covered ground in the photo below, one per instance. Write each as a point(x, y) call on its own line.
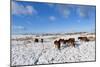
point(23, 53)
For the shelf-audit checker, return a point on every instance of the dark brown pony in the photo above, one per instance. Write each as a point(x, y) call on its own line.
point(36, 40)
point(57, 44)
point(83, 39)
point(41, 40)
point(71, 42)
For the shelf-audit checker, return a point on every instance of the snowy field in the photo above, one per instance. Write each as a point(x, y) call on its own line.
point(31, 53)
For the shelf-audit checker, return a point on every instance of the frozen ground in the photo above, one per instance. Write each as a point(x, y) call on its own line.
point(44, 53)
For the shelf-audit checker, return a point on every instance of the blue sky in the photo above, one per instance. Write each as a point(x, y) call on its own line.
point(35, 17)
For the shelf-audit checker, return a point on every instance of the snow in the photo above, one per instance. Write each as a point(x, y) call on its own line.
point(45, 53)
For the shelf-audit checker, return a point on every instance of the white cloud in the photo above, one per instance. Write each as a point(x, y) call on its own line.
point(66, 13)
point(31, 10)
point(82, 11)
point(29, 23)
point(18, 27)
point(63, 10)
point(82, 14)
point(18, 9)
point(52, 18)
point(78, 20)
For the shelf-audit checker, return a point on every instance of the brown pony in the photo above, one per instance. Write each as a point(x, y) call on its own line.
point(83, 39)
point(36, 40)
point(57, 44)
point(71, 42)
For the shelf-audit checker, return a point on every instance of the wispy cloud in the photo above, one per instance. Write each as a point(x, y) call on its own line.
point(16, 29)
point(19, 27)
point(18, 9)
point(63, 10)
point(78, 21)
point(52, 18)
point(82, 12)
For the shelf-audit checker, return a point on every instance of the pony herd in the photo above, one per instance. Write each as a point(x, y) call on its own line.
point(71, 41)
point(37, 40)
point(57, 43)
